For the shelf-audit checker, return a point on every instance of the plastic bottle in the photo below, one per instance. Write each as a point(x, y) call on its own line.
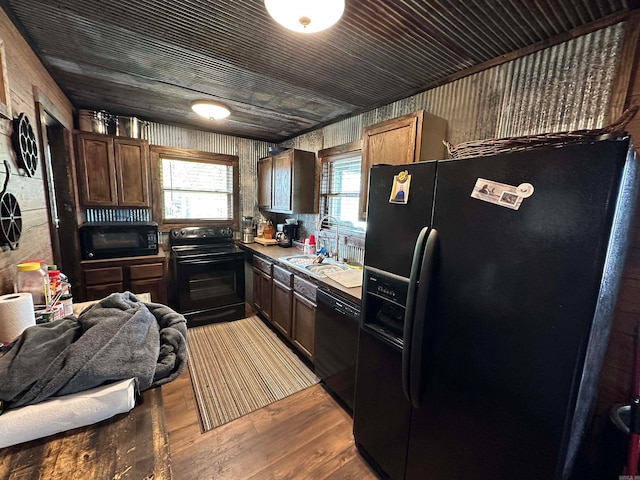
point(32, 278)
point(54, 280)
point(310, 245)
point(67, 302)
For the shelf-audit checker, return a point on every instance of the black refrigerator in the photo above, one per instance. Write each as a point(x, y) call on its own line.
point(489, 286)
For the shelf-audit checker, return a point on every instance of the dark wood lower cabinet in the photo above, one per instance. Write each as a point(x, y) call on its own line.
point(135, 274)
point(287, 301)
point(154, 286)
point(262, 300)
point(262, 287)
point(97, 292)
point(282, 300)
point(304, 322)
point(257, 290)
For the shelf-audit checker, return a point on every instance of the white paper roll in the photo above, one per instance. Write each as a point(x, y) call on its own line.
point(59, 414)
point(16, 314)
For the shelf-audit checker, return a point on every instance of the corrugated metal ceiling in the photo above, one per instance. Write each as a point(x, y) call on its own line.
point(151, 58)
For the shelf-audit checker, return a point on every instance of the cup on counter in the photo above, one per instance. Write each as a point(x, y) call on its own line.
point(310, 245)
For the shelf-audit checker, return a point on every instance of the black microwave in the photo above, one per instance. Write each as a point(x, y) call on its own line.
point(118, 239)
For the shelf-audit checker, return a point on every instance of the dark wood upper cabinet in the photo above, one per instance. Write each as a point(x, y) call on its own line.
point(132, 163)
point(286, 182)
point(410, 138)
point(96, 170)
point(282, 188)
point(112, 171)
point(264, 182)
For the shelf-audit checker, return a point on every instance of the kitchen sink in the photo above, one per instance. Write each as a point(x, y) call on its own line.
point(305, 264)
point(324, 268)
point(300, 260)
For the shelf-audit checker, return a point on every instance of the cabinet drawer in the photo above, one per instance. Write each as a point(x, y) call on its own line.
point(98, 292)
point(283, 276)
point(101, 276)
point(262, 264)
point(151, 270)
point(305, 288)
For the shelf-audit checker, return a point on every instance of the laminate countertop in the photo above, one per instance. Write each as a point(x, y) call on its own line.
point(275, 253)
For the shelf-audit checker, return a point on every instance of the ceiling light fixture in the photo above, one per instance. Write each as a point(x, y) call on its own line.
point(305, 16)
point(208, 109)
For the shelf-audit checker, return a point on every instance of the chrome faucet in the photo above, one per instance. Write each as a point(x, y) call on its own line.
point(335, 221)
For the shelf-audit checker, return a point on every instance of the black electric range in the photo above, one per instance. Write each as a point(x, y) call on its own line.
point(207, 273)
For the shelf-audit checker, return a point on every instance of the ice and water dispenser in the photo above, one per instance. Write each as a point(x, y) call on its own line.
point(386, 297)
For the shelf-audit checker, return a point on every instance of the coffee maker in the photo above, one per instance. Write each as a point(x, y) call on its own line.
point(247, 229)
point(287, 233)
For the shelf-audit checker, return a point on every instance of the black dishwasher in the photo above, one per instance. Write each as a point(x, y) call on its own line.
point(336, 343)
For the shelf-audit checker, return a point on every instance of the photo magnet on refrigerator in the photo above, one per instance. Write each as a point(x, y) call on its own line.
point(400, 188)
point(501, 194)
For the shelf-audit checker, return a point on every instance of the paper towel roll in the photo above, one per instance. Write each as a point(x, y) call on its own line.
point(16, 314)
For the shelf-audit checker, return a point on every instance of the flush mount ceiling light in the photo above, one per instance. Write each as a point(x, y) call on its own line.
point(208, 109)
point(305, 16)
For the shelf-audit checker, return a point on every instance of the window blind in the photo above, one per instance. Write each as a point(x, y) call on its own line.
point(197, 190)
point(340, 191)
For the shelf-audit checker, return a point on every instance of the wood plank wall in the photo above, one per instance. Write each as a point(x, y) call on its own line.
point(24, 72)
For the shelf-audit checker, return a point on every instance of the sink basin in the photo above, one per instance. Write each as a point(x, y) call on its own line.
point(300, 260)
point(305, 263)
point(323, 269)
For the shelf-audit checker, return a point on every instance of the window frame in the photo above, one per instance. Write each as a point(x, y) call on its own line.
point(330, 155)
point(157, 153)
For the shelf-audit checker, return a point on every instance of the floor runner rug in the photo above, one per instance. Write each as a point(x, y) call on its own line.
point(241, 366)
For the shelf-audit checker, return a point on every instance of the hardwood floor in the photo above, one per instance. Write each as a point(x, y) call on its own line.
point(304, 436)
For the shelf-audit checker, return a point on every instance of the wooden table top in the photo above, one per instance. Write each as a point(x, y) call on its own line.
point(131, 445)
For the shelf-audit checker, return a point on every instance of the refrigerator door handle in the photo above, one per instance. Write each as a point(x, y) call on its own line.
point(409, 316)
point(421, 308)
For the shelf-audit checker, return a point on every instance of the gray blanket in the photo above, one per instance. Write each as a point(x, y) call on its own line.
point(117, 338)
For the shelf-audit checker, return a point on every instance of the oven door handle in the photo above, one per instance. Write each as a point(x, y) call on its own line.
point(208, 261)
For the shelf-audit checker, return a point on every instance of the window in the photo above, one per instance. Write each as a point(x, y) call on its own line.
point(340, 187)
point(195, 187)
point(194, 190)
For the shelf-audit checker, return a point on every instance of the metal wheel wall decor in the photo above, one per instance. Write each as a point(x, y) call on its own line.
point(24, 143)
point(10, 215)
